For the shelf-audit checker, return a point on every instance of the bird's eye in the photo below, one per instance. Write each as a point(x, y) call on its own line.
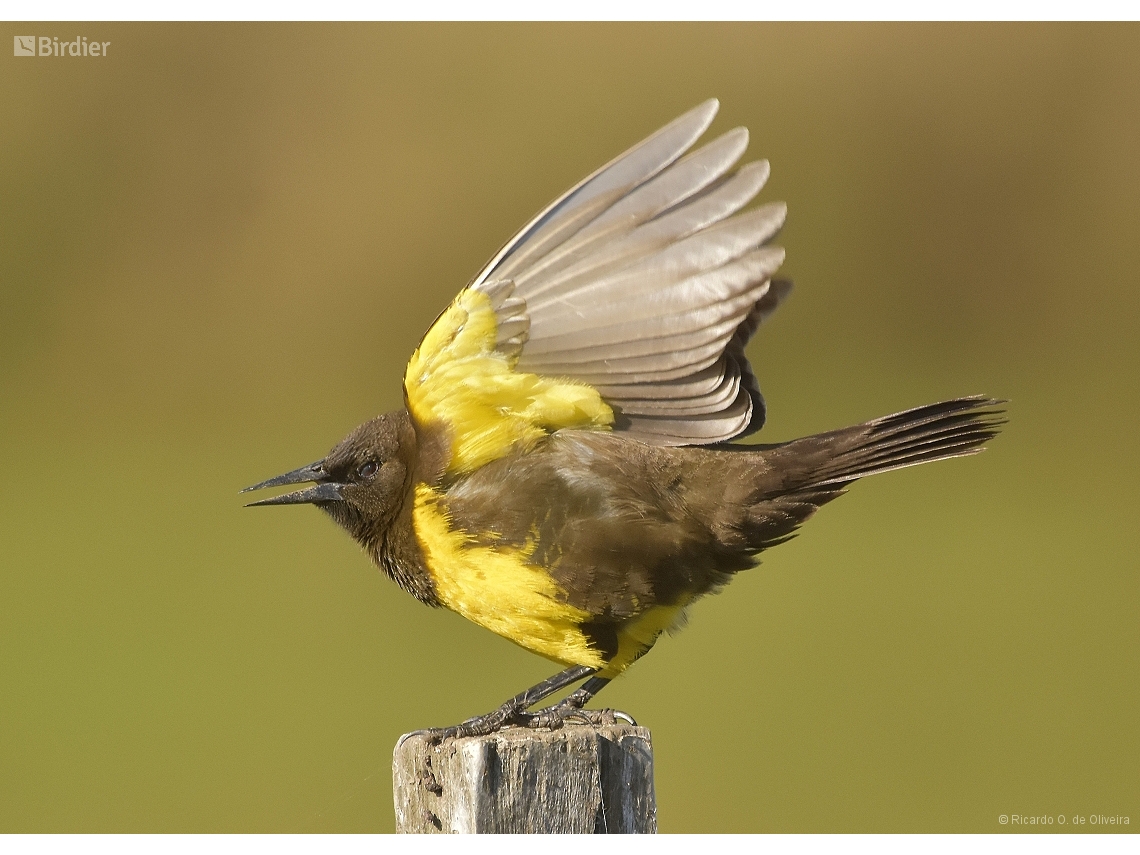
point(367, 470)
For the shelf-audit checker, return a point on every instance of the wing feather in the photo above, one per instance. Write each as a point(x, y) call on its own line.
point(729, 195)
point(643, 311)
point(625, 305)
point(612, 181)
point(605, 238)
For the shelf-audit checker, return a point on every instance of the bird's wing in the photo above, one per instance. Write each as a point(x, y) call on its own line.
point(625, 305)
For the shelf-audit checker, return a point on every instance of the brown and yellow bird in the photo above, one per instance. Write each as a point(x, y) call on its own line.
point(560, 473)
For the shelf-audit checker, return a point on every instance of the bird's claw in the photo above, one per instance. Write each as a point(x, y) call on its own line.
point(480, 725)
point(549, 718)
point(555, 717)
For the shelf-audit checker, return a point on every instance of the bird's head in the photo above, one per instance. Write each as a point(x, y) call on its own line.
point(361, 483)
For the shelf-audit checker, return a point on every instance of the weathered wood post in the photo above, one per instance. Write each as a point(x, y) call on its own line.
point(580, 779)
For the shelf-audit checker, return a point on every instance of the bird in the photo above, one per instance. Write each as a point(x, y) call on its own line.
point(563, 471)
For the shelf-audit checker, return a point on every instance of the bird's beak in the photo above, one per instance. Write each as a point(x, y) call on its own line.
point(322, 491)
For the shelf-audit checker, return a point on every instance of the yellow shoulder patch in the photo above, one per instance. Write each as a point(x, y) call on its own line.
point(457, 378)
point(497, 588)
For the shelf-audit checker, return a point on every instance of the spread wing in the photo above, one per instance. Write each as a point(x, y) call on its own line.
point(625, 305)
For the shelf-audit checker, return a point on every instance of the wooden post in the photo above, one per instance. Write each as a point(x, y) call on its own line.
point(580, 779)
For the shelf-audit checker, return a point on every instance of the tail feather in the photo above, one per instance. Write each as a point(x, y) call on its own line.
point(800, 476)
point(954, 428)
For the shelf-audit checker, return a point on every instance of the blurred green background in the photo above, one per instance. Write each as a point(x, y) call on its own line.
point(220, 243)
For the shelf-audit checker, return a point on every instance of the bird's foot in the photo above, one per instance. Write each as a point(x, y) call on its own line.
point(548, 718)
point(480, 725)
point(554, 717)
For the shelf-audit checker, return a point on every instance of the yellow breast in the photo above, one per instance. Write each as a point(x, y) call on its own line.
point(497, 588)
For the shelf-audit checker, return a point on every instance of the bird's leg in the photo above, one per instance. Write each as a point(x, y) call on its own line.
point(570, 709)
point(513, 711)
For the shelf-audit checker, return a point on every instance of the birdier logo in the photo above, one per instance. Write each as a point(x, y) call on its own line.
point(52, 46)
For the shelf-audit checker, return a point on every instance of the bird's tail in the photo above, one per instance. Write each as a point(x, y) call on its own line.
point(935, 432)
point(798, 477)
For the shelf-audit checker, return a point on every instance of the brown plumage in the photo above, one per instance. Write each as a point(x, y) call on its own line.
point(561, 472)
